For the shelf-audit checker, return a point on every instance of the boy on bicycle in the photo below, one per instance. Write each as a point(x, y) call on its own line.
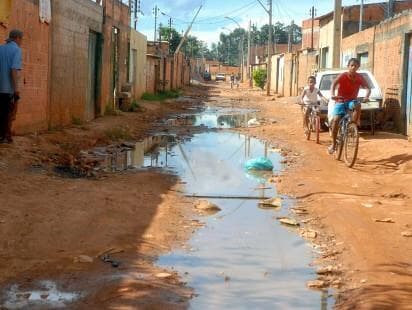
point(348, 85)
point(309, 97)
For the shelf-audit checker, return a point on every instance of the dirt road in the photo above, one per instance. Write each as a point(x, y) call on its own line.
point(344, 204)
point(48, 222)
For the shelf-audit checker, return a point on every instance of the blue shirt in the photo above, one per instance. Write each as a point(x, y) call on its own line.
point(10, 58)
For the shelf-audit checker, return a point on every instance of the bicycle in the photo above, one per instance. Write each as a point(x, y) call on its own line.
point(312, 123)
point(347, 140)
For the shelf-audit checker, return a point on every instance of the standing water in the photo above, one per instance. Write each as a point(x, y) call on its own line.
point(242, 258)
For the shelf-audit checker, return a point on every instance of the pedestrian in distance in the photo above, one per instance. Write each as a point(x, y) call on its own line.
point(348, 85)
point(232, 80)
point(10, 66)
point(237, 80)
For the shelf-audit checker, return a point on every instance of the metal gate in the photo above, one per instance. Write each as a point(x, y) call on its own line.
point(92, 78)
point(409, 89)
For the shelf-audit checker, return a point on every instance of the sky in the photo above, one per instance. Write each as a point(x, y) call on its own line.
point(211, 20)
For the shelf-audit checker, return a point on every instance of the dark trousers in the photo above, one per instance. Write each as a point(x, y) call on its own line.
point(7, 107)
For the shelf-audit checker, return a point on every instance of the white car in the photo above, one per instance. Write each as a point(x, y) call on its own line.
point(220, 77)
point(324, 81)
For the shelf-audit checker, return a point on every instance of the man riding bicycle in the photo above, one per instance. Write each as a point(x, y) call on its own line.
point(348, 85)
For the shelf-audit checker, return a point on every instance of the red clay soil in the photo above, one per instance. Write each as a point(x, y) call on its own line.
point(373, 258)
point(46, 221)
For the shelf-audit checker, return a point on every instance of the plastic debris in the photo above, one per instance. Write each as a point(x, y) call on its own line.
point(385, 220)
point(260, 163)
point(288, 221)
point(406, 233)
point(275, 202)
point(163, 275)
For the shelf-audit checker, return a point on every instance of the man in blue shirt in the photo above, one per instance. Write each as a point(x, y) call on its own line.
point(10, 65)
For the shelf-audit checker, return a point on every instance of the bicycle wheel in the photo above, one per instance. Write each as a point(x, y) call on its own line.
point(308, 128)
point(317, 128)
point(339, 144)
point(351, 145)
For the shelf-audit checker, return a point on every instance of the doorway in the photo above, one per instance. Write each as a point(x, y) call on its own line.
point(409, 86)
point(91, 96)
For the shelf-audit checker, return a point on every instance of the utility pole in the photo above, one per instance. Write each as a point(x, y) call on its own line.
point(170, 32)
point(249, 71)
point(269, 62)
point(361, 16)
point(160, 32)
point(337, 33)
point(136, 9)
point(269, 69)
point(390, 8)
point(155, 11)
point(187, 31)
point(240, 48)
point(290, 39)
point(312, 13)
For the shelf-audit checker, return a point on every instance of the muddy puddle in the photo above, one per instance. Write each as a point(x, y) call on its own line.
point(45, 295)
point(242, 258)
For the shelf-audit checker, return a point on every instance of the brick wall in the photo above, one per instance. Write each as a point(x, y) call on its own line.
point(354, 45)
point(307, 33)
point(152, 62)
point(260, 51)
point(116, 15)
point(389, 60)
point(70, 94)
point(385, 44)
point(33, 108)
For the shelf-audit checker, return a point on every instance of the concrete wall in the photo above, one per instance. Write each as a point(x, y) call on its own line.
point(307, 66)
point(72, 22)
point(326, 41)
point(33, 107)
point(116, 15)
point(137, 72)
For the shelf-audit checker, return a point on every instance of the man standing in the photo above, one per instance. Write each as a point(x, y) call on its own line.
point(10, 65)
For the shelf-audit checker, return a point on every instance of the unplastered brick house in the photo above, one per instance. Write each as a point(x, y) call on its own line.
point(383, 47)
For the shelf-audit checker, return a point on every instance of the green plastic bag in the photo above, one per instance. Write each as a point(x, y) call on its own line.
point(260, 163)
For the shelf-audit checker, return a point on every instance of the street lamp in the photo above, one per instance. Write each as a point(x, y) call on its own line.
point(228, 49)
point(241, 47)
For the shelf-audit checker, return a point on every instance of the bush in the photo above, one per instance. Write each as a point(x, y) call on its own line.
point(259, 76)
point(77, 121)
point(134, 107)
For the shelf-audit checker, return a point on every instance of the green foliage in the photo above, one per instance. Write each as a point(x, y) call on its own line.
point(118, 133)
point(109, 110)
point(134, 107)
point(77, 121)
point(161, 95)
point(259, 76)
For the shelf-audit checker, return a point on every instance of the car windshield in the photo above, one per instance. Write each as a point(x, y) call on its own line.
point(327, 79)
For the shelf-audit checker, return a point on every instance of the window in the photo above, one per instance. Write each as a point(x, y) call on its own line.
point(325, 56)
point(363, 58)
point(327, 79)
point(5, 10)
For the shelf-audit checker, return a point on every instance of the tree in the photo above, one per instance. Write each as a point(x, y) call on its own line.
point(259, 76)
point(171, 35)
